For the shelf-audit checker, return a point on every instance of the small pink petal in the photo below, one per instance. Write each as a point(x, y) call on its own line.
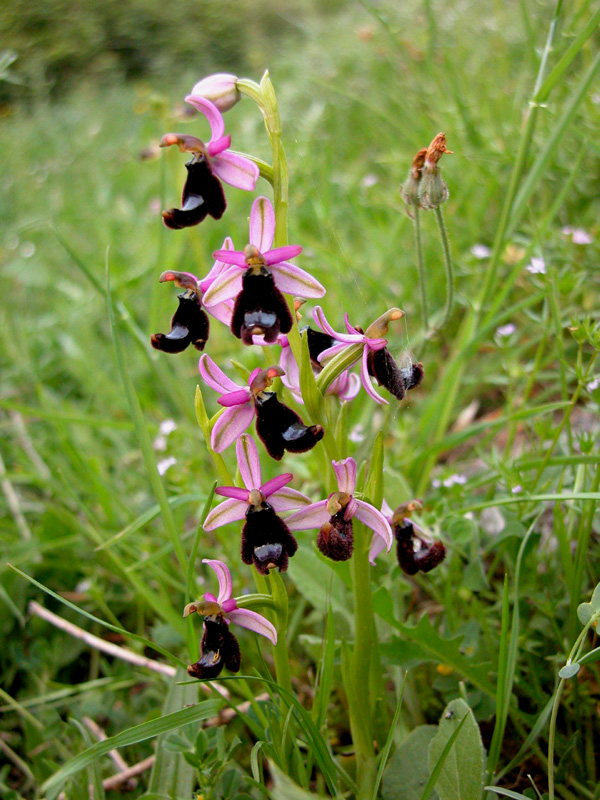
point(248, 461)
point(351, 328)
point(217, 268)
point(236, 170)
point(210, 597)
point(227, 286)
point(262, 224)
point(230, 425)
point(229, 605)
point(237, 398)
point(253, 375)
point(366, 380)
point(236, 492)
point(219, 145)
point(321, 321)
point(346, 386)
point(288, 364)
point(376, 521)
point(214, 376)
point(246, 618)
point(375, 344)
point(227, 511)
point(223, 576)
point(333, 351)
point(231, 257)
point(386, 510)
point(281, 254)
point(313, 516)
point(345, 471)
point(212, 114)
point(377, 547)
point(292, 280)
point(222, 312)
point(287, 499)
point(272, 486)
point(351, 509)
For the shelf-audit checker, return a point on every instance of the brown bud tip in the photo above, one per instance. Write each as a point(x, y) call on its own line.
point(405, 510)
point(264, 378)
point(185, 142)
point(436, 150)
point(379, 328)
point(275, 372)
point(191, 608)
point(418, 162)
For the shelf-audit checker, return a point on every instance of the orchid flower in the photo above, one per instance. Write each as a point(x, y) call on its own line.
point(256, 278)
point(414, 550)
point(278, 427)
point(220, 88)
point(334, 516)
point(219, 647)
point(376, 360)
point(210, 164)
point(346, 386)
point(266, 539)
point(189, 325)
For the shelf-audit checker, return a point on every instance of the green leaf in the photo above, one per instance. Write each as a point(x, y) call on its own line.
point(507, 793)
point(139, 733)
point(374, 482)
point(569, 670)
point(461, 776)
point(389, 741)
point(284, 787)
point(593, 655)
point(313, 399)
point(446, 651)
point(408, 771)
point(585, 611)
point(595, 601)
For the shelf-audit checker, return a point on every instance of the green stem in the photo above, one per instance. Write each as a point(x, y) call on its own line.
point(359, 698)
point(439, 218)
point(421, 269)
point(280, 650)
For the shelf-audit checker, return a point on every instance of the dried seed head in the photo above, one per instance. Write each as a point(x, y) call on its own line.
point(435, 151)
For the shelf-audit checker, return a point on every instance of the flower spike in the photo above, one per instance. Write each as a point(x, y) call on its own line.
point(210, 164)
point(219, 647)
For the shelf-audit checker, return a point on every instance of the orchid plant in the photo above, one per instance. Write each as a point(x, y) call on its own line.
point(257, 292)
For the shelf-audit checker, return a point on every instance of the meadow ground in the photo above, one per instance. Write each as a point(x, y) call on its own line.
point(500, 441)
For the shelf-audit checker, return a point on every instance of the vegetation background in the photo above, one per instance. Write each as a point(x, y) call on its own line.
point(86, 91)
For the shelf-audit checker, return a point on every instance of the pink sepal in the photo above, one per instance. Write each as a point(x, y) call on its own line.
point(227, 511)
point(212, 114)
point(345, 471)
point(313, 516)
point(366, 380)
point(233, 491)
point(272, 486)
point(376, 521)
point(214, 376)
point(248, 461)
point(262, 224)
point(287, 499)
point(222, 312)
point(231, 423)
point(217, 268)
point(229, 605)
point(231, 257)
point(333, 351)
point(223, 576)
point(237, 398)
point(225, 287)
point(321, 321)
point(273, 257)
point(210, 597)
point(246, 618)
point(377, 547)
point(236, 170)
point(295, 281)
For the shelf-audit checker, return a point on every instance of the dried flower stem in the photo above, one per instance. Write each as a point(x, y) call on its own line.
point(439, 218)
point(421, 269)
point(101, 736)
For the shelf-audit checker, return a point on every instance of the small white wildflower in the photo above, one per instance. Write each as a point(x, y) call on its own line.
point(369, 180)
point(506, 330)
point(481, 251)
point(167, 426)
point(356, 434)
point(436, 483)
point(165, 464)
point(454, 479)
point(537, 266)
point(593, 385)
point(83, 586)
point(517, 489)
point(581, 237)
point(160, 444)
point(27, 249)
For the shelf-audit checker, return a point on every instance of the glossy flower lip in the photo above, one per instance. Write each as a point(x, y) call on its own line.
point(225, 605)
point(317, 514)
point(276, 491)
point(288, 278)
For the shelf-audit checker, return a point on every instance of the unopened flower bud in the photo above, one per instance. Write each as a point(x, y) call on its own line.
point(433, 191)
point(221, 89)
point(409, 191)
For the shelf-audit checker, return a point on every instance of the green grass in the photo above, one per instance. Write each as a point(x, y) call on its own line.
point(93, 522)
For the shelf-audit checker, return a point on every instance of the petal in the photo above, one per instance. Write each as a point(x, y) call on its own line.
point(246, 618)
point(231, 257)
point(351, 328)
point(223, 576)
point(376, 521)
point(219, 145)
point(217, 268)
point(377, 547)
point(366, 380)
point(214, 377)
point(313, 516)
point(386, 510)
point(212, 114)
point(235, 170)
point(321, 321)
point(227, 286)
point(277, 483)
point(333, 351)
point(237, 398)
point(230, 425)
point(222, 312)
point(291, 279)
point(346, 386)
point(248, 461)
point(345, 471)
point(183, 280)
point(287, 499)
point(281, 254)
point(228, 511)
point(233, 491)
point(288, 364)
point(210, 597)
point(262, 224)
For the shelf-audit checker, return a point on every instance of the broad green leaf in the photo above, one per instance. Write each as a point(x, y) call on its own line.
point(595, 601)
point(313, 399)
point(374, 482)
point(569, 670)
point(507, 793)
point(389, 741)
point(407, 772)
point(585, 611)
point(139, 733)
point(588, 658)
point(461, 776)
point(284, 787)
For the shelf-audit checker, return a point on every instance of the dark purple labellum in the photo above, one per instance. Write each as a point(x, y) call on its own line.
point(317, 343)
point(202, 195)
point(386, 372)
point(219, 648)
point(336, 538)
point(405, 549)
point(427, 558)
point(282, 429)
point(267, 542)
point(260, 308)
point(189, 325)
